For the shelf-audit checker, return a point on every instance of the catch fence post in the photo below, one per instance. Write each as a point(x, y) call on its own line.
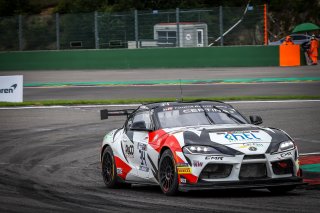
point(20, 32)
point(136, 30)
point(265, 21)
point(221, 24)
point(57, 31)
point(96, 30)
point(178, 26)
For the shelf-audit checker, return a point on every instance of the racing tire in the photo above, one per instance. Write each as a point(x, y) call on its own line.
point(109, 170)
point(167, 175)
point(281, 189)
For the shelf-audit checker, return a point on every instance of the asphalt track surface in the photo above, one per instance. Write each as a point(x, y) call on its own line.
point(49, 162)
point(171, 91)
point(161, 91)
point(165, 74)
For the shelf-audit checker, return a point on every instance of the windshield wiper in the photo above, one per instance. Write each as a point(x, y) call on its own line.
point(228, 114)
point(206, 114)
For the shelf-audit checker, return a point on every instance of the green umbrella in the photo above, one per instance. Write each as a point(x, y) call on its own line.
point(305, 27)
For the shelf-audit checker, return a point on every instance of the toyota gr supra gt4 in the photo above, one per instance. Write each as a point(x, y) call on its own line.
point(200, 145)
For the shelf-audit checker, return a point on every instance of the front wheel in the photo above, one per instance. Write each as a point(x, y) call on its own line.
point(168, 177)
point(109, 169)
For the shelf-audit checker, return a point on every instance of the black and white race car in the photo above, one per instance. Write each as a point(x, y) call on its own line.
point(197, 146)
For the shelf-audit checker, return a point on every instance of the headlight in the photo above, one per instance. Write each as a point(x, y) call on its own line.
point(286, 145)
point(200, 150)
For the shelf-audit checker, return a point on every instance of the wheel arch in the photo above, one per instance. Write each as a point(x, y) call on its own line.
point(102, 150)
point(163, 149)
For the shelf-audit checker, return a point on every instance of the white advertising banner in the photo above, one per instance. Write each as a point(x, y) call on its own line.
point(11, 88)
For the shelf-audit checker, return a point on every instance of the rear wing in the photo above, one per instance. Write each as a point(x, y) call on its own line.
point(105, 113)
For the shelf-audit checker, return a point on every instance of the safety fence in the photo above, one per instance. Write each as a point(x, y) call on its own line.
point(135, 29)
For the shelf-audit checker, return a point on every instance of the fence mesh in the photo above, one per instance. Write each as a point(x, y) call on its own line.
point(9, 33)
point(170, 28)
point(38, 32)
point(115, 29)
point(77, 31)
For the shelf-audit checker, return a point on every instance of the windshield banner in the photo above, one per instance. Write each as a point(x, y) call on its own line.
point(197, 108)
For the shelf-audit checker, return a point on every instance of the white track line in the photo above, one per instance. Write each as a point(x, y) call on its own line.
point(68, 107)
point(276, 101)
point(136, 105)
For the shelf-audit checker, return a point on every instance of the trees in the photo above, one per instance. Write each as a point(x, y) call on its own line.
point(283, 17)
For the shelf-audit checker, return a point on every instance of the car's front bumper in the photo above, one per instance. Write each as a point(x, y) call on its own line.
point(243, 184)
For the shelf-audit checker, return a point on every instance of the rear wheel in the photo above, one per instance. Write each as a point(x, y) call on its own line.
point(109, 169)
point(281, 189)
point(168, 177)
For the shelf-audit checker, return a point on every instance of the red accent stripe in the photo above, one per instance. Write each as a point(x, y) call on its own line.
point(124, 166)
point(191, 178)
point(157, 139)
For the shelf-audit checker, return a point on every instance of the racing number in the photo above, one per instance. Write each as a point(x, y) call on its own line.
point(129, 150)
point(143, 158)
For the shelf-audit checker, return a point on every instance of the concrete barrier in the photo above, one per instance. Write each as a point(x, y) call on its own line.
point(230, 56)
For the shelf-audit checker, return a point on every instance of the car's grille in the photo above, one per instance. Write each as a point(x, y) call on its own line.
point(215, 171)
point(254, 157)
point(253, 171)
point(282, 167)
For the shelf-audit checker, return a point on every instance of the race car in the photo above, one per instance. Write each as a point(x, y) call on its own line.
point(201, 145)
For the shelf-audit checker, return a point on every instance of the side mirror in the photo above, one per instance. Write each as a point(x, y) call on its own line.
point(256, 119)
point(139, 126)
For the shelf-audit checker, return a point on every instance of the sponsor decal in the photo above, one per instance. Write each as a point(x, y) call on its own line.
point(241, 136)
point(144, 168)
point(183, 180)
point(182, 165)
point(119, 171)
point(143, 162)
point(9, 90)
point(286, 154)
point(129, 150)
point(252, 148)
point(214, 158)
point(168, 109)
point(186, 111)
point(197, 163)
point(165, 104)
point(184, 170)
point(142, 146)
point(247, 145)
point(196, 109)
point(188, 37)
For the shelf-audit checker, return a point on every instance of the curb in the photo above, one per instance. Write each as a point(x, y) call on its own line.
point(172, 82)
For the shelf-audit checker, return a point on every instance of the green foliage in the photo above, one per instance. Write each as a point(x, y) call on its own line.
point(77, 27)
point(8, 33)
point(283, 16)
point(13, 7)
point(79, 6)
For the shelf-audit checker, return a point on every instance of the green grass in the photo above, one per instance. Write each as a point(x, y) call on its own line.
point(148, 100)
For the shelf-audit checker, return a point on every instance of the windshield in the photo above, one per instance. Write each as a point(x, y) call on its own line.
point(194, 115)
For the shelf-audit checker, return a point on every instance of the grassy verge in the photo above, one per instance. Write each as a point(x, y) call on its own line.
point(148, 100)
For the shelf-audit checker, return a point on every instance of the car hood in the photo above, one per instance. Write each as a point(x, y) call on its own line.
point(247, 139)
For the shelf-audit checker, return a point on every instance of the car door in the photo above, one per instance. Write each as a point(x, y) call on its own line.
point(135, 143)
